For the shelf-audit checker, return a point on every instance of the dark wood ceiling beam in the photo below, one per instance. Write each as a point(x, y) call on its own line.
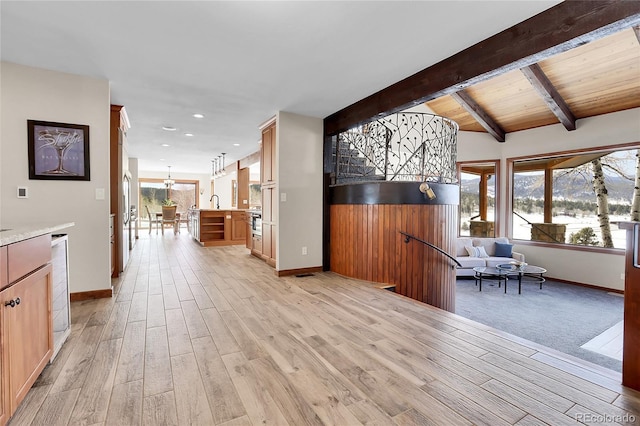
point(560, 28)
point(479, 114)
point(550, 95)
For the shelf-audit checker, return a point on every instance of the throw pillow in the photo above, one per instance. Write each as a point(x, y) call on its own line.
point(476, 251)
point(503, 250)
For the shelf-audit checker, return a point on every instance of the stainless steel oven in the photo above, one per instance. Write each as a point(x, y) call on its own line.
point(256, 223)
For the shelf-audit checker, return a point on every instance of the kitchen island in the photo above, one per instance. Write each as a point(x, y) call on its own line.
point(212, 227)
point(26, 316)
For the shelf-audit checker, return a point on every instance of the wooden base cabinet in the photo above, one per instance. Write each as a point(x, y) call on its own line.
point(26, 330)
point(218, 227)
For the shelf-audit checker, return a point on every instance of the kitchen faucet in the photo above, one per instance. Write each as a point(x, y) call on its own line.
point(217, 201)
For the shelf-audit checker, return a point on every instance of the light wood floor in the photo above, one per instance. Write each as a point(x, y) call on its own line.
point(209, 336)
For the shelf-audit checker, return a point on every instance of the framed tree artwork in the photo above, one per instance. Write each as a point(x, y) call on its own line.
point(58, 151)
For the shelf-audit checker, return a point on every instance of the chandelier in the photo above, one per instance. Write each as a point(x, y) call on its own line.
point(168, 182)
point(217, 166)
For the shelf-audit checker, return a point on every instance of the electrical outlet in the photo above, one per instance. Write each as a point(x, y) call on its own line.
point(304, 251)
point(622, 276)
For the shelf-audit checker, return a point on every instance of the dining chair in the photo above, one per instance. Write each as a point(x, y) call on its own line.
point(152, 219)
point(169, 216)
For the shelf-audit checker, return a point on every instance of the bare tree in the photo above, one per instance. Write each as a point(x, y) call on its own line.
point(602, 200)
point(593, 172)
point(635, 203)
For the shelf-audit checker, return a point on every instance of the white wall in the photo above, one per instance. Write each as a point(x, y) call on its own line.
point(32, 93)
point(222, 188)
point(299, 179)
point(600, 269)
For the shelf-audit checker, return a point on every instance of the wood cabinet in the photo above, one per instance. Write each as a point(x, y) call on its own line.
point(249, 231)
point(26, 332)
point(118, 198)
point(268, 170)
point(4, 274)
point(218, 227)
point(268, 154)
point(4, 402)
point(112, 240)
point(212, 226)
point(239, 226)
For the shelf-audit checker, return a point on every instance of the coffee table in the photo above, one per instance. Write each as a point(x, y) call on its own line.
point(489, 272)
point(529, 273)
point(502, 272)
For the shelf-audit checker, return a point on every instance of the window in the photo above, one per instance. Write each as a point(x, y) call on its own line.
point(477, 199)
point(153, 194)
point(574, 198)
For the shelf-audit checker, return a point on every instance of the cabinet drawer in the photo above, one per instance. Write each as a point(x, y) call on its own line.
point(28, 255)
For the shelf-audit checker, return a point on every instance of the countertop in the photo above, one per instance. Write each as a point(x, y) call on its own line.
point(228, 210)
point(14, 234)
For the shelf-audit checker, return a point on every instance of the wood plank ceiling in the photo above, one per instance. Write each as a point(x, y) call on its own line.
point(599, 77)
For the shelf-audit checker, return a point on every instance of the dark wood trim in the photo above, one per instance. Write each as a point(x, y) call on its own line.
point(327, 163)
point(597, 287)
point(509, 182)
point(496, 171)
point(548, 195)
point(115, 178)
point(90, 295)
point(479, 114)
point(299, 271)
point(631, 338)
point(549, 94)
point(560, 28)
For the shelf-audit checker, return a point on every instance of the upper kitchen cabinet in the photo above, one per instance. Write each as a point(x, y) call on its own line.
point(268, 154)
point(268, 168)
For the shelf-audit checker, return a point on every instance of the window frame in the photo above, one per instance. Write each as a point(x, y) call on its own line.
point(509, 196)
point(177, 181)
point(496, 213)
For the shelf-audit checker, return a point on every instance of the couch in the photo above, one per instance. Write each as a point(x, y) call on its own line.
point(473, 251)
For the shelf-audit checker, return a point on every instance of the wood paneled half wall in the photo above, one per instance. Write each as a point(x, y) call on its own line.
point(366, 243)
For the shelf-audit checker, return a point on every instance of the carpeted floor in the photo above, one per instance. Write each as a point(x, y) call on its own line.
point(560, 316)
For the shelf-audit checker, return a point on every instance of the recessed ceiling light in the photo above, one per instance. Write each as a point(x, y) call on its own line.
point(169, 128)
point(165, 144)
point(236, 144)
point(188, 134)
point(162, 159)
point(198, 115)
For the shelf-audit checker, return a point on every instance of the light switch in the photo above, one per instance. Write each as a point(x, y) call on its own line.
point(99, 193)
point(283, 197)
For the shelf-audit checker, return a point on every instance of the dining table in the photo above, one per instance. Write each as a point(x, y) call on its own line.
point(159, 221)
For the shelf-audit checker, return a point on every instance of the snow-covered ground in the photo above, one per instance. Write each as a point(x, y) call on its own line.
point(522, 231)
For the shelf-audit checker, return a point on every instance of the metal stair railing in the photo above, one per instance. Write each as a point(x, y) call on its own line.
point(409, 237)
point(538, 228)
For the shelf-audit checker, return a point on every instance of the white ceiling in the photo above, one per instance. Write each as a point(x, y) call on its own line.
point(240, 62)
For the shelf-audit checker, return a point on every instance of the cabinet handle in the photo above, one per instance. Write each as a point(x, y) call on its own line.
point(13, 302)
